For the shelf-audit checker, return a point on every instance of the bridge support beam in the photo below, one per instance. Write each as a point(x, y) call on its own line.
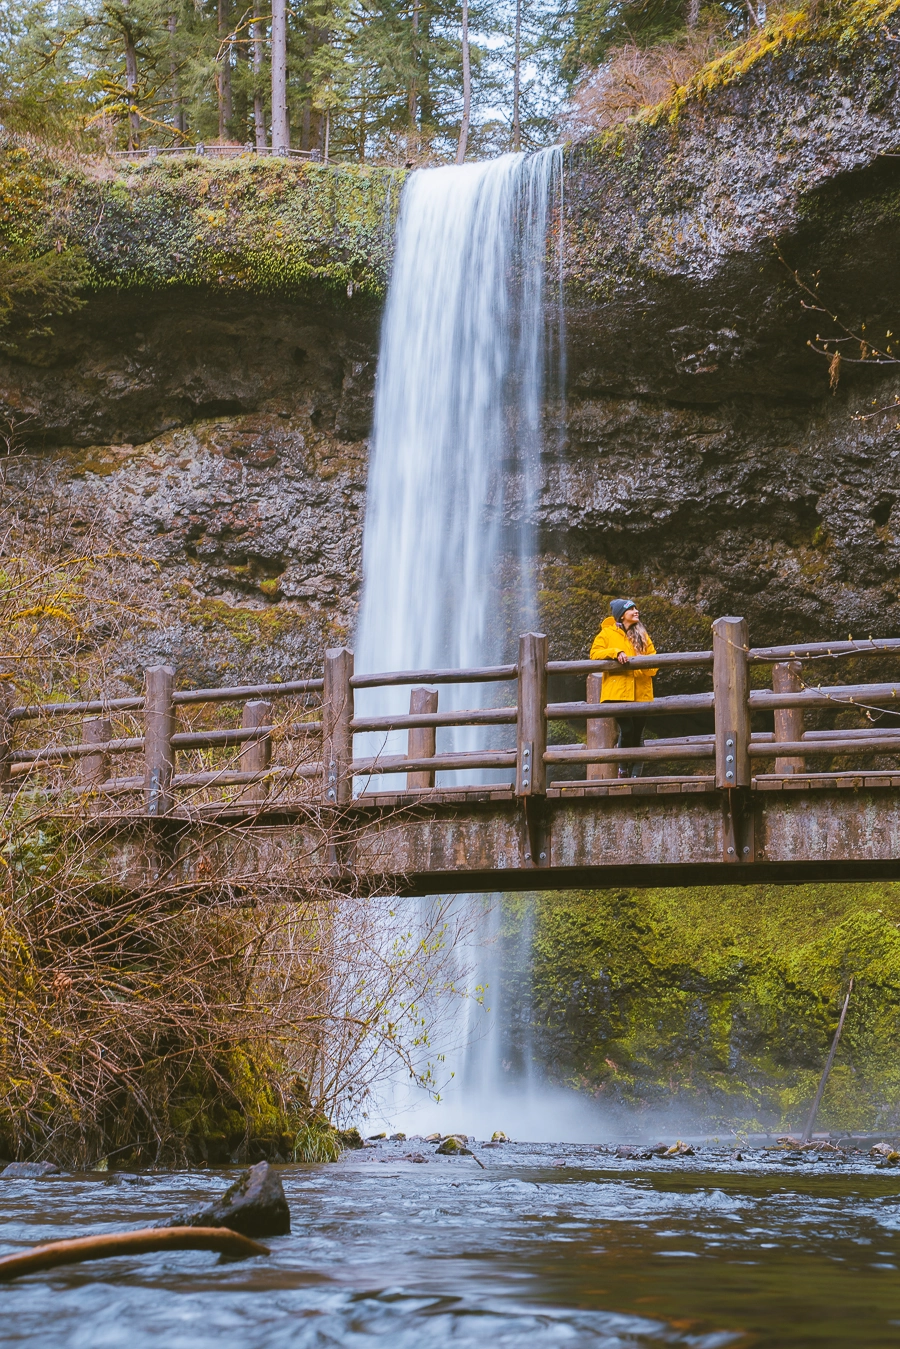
point(731, 692)
point(531, 745)
point(788, 720)
point(602, 733)
point(159, 727)
point(6, 730)
point(531, 737)
point(337, 737)
point(256, 756)
point(94, 768)
point(421, 740)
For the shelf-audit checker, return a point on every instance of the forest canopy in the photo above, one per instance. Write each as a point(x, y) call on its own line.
point(367, 80)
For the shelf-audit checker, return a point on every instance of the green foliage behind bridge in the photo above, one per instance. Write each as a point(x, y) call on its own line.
point(721, 1001)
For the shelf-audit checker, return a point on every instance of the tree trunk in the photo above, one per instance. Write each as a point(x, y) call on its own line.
point(131, 75)
point(327, 132)
point(467, 87)
point(693, 13)
point(412, 141)
point(259, 106)
point(281, 136)
point(223, 73)
point(177, 105)
point(517, 68)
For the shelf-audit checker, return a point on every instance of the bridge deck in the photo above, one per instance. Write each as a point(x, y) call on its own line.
point(584, 835)
point(722, 821)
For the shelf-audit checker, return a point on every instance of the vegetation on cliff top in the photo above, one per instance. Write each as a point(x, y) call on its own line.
point(259, 225)
point(647, 84)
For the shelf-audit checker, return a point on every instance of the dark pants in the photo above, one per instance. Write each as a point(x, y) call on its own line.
point(631, 735)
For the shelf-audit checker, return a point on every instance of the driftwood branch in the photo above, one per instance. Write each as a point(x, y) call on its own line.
point(143, 1242)
point(811, 1122)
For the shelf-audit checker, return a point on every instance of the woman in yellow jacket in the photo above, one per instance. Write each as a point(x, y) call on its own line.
point(622, 636)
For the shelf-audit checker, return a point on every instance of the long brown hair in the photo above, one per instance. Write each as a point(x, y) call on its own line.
point(637, 635)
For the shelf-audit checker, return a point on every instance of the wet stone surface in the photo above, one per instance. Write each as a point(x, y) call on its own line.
point(545, 1244)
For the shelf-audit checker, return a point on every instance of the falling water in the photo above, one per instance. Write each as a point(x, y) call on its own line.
point(458, 409)
point(448, 550)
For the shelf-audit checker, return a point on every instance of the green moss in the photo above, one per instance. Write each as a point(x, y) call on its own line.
point(724, 998)
point(262, 226)
point(248, 627)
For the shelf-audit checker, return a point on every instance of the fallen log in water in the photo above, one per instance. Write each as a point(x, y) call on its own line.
point(142, 1242)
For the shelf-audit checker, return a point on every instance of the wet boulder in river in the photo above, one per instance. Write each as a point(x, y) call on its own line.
point(29, 1170)
point(254, 1205)
point(454, 1145)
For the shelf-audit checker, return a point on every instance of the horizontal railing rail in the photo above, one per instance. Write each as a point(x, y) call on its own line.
point(459, 759)
point(844, 695)
point(216, 152)
point(489, 716)
point(485, 674)
point(678, 703)
point(181, 698)
point(836, 745)
point(661, 660)
point(180, 740)
point(653, 749)
point(311, 744)
point(871, 646)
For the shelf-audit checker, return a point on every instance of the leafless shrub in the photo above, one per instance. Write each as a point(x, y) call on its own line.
point(634, 78)
point(152, 1011)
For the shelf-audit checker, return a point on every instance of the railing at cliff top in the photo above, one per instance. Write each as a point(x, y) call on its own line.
point(216, 152)
point(320, 718)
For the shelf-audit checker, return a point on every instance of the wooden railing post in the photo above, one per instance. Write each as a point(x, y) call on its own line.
point(94, 768)
point(731, 691)
point(159, 727)
point(6, 732)
point(531, 727)
point(602, 733)
point(421, 740)
point(788, 720)
point(337, 714)
point(256, 755)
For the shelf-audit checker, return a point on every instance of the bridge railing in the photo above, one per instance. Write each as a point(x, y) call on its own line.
point(321, 719)
point(732, 701)
point(161, 740)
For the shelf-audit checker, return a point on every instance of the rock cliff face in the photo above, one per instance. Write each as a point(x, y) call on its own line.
point(209, 405)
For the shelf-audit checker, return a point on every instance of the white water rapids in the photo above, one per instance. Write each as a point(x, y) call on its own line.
point(469, 333)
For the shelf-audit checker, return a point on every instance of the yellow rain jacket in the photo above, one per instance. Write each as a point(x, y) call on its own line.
point(627, 686)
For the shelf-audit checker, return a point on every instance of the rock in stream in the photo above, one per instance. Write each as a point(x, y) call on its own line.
point(254, 1205)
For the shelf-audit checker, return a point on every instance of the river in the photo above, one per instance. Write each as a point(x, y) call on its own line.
point(543, 1245)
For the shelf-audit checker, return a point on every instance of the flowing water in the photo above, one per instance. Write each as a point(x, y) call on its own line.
point(471, 345)
point(456, 440)
point(544, 1246)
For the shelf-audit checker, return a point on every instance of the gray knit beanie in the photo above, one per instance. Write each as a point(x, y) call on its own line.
point(618, 607)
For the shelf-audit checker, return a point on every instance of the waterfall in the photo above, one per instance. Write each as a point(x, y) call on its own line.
point(448, 549)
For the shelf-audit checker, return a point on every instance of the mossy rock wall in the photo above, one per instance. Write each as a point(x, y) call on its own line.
point(718, 1005)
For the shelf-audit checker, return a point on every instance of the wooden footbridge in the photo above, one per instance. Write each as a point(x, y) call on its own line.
point(724, 803)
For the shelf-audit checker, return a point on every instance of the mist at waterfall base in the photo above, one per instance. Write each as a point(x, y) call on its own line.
point(471, 344)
